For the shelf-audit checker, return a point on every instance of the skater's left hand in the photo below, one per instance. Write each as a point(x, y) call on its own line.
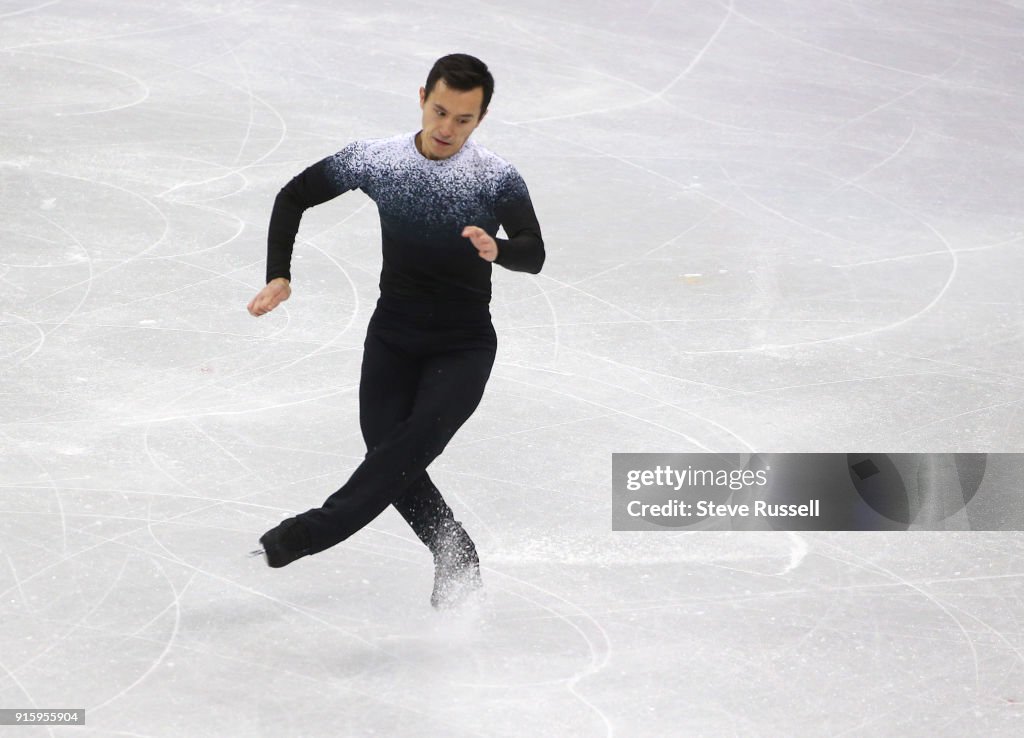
point(484, 244)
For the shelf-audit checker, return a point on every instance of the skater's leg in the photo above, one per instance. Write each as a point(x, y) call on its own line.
point(450, 388)
point(423, 508)
point(388, 381)
point(387, 388)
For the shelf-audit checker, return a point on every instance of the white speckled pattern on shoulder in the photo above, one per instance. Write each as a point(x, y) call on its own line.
point(410, 189)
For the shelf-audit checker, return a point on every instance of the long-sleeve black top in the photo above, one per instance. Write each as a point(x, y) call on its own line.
point(424, 205)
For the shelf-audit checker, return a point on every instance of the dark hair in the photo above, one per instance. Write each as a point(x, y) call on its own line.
point(464, 73)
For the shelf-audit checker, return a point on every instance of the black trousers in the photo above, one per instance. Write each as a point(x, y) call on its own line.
point(425, 366)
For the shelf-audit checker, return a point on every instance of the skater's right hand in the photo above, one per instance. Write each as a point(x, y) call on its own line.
point(277, 291)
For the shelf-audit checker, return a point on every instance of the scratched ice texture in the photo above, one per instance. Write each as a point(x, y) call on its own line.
point(787, 226)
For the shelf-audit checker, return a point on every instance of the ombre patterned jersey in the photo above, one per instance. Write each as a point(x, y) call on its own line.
point(424, 205)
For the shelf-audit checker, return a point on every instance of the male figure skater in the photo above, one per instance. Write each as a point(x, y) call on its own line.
point(430, 343)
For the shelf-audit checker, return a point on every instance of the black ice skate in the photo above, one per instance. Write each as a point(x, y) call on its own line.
point(284, 544)
point(456, 567)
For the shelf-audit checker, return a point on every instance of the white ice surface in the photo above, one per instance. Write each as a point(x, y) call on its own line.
point(786, 226)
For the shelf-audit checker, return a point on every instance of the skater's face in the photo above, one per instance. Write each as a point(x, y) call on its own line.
point(449, 116)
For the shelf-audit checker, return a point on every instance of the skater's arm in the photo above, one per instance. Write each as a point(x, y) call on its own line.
point(523, 250)
point(319, 183)
point(309, 188)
